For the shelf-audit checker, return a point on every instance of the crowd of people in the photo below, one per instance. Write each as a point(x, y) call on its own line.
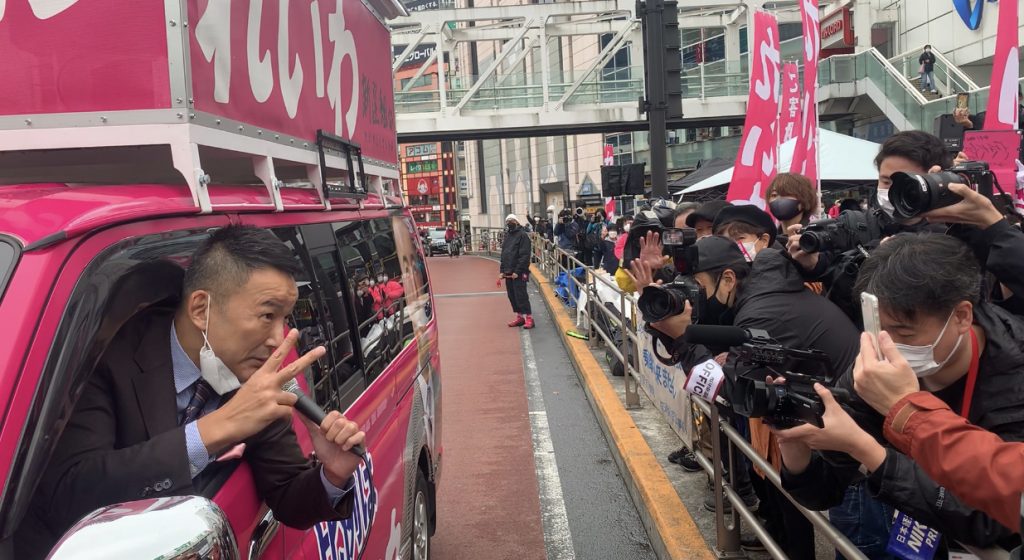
point(890, 454)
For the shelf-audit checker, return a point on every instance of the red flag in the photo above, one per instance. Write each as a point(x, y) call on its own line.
point(1002, 97)
point(789, 119)
point(805, 154)
point(755, 161)
point(609, 208)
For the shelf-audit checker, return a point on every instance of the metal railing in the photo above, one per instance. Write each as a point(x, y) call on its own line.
point(553, 261)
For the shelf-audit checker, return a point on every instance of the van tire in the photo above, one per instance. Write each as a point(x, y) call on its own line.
point(421, 516)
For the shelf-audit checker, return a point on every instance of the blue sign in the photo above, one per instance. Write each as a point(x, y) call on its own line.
point(970, 15)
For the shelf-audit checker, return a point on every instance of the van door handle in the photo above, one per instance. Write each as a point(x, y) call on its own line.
point(262, 535)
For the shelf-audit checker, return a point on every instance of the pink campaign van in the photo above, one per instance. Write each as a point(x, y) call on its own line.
point(129, 131)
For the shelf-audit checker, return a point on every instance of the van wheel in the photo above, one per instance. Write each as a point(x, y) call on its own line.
point(421, 520)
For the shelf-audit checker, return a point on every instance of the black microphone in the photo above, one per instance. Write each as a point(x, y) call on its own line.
point(308, 408)
point(719, 336)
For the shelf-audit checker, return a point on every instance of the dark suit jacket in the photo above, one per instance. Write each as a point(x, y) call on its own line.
point(123, 443)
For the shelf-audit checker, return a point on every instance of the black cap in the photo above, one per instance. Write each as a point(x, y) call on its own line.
point(715, 251)
point(707, 211)
point(749, 215)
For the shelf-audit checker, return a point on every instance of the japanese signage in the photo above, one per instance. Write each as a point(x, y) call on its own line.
point(423, 186)
point(805, 153)
point(296, 68)
point(421, 150)
point(1002, 101)
point(665, 386)
point(789, 117)
point(756, 160)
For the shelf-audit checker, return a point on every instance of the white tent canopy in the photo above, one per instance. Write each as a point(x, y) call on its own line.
point(843, 158)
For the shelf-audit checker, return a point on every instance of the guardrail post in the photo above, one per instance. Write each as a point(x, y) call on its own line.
point(630, 352)
point(728, 534)
point(593, 338)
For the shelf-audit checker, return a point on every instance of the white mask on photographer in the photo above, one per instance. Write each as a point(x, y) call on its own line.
point(922, 358)
point(213, 370)
point(883, 202)
point(749, 249)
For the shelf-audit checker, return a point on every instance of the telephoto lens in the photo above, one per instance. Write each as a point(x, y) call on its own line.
point(913, 194)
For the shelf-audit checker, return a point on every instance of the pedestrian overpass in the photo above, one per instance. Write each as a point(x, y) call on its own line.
point(530, 81)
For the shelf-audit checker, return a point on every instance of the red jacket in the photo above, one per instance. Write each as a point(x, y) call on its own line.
point(976, 465)
point(450, 235)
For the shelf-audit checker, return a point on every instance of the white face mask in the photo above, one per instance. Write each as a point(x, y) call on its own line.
point(922, 358)
point(626, 227)
point(749, 249)
point(212, 369)
point(883, 201)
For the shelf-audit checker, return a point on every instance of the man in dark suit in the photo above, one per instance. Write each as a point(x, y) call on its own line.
point(179, 387)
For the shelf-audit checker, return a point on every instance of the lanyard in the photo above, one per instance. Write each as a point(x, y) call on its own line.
point(972, 376)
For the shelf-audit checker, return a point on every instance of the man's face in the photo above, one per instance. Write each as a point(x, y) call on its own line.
point(893, 164)
point(681, 219)
point(925, 329)
point(720, 289)
point(703, 227)
point(246, 329)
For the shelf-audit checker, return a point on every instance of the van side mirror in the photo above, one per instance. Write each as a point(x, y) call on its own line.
point(180, 527)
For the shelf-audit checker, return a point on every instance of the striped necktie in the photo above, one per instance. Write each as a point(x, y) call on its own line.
point(203, 392)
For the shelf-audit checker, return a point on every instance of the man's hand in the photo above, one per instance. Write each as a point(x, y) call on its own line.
point(641, 275)
point(806, 260)
point(675, 325)
point(975, 209)
point(840, 433)
point(332, 440)
point(259, 401)
point(651, 250)
point(882, 382)
point(962, 117)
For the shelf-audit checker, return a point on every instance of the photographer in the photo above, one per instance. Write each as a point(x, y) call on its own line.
point(965, 351)
point(836, 267)
point(768, 294)
point(566, 231)
point(955, 453)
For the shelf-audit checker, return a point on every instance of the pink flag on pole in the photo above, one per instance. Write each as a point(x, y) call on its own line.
point(805, 153)
point(1002, 99)
point(755, 161)
point(609, 209)
point(789, 119)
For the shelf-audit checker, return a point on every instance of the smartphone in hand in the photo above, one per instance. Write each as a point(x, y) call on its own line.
point(872, 324)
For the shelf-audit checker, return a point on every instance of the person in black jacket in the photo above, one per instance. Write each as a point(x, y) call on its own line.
point(930, 304)
point(768, 294)
point(927, 62)
point(515, 270)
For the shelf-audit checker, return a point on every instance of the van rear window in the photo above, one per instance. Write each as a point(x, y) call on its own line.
point(8, 256)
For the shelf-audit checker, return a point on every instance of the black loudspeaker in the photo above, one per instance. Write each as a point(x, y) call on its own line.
point(634, 179)
point(611, 181)
point(951, 133)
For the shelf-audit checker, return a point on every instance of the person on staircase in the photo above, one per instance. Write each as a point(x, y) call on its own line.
point(927, 61)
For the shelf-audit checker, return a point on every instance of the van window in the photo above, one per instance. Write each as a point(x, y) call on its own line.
point(322, 318)
point(135, 274)
point(8, 256)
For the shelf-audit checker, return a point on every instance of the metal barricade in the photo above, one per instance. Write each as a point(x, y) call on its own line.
point(552, 261)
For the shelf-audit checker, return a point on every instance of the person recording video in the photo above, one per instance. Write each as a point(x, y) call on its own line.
point(965, 351)
point(768, 294)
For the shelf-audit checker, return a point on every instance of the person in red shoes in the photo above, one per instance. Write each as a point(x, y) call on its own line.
point(515, 270)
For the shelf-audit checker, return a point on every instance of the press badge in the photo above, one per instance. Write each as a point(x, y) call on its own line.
point(911, 540)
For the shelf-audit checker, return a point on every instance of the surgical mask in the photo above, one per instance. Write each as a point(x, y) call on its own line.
point(626, 227)
point(212, 368)
point(381, 279)
point(883, 201)
point(785, 208)
point(922, 358)
point(749, 249)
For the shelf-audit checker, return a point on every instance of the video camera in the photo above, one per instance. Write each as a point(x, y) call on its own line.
point(658, 303)
point(852, 229)
point(913, 194)
point(755, 355)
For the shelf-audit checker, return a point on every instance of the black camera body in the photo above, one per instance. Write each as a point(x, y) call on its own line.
point(850, 230)
point(784, 405)
point(913, 194)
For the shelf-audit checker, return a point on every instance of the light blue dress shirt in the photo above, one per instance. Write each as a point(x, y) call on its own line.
point(185, 375)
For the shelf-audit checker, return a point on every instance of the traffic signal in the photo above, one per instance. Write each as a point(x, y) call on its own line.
point(663, 61)
point(672, 41)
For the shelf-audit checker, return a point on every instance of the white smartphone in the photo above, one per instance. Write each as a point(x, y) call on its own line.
point(872, 324)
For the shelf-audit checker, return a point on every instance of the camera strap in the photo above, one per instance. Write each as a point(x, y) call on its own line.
point(972, 376)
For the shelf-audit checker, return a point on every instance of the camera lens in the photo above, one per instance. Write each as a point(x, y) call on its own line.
point(660, 303)
point(913, 194)
point(814, 241)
